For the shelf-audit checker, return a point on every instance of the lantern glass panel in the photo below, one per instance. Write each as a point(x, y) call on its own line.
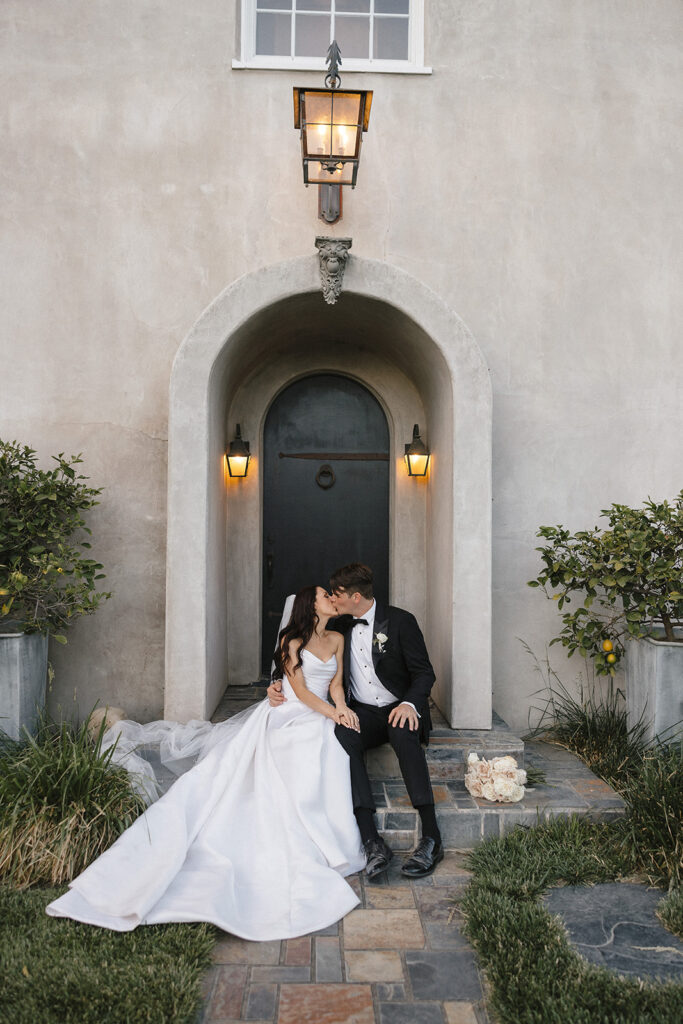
point(237, 465)
point(318, 139)
point(318, 107)
point(345, 141)
point(417, 464)
point(319, 175)
point(346, 108)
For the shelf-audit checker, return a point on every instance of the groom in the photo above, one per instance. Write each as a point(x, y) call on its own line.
point(387, 678)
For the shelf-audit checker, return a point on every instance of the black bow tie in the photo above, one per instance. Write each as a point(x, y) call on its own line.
point(359, 622)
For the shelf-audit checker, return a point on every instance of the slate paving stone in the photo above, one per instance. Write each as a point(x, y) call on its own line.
point(261, 1002)
point(389, 897)
point(410, 1013)
point(614, 925)
point(400, 820)
point(332, 929)
point(436, 904)
point(461, 1013)
point(373, 965)
point(383, 929)
point(386, 992)
point(228, 991)
point(326, 1004)
point(298, 951)
point(328, 963)
point(443, 974)
point(440, 937)
point(231, 950)
point(280, 974)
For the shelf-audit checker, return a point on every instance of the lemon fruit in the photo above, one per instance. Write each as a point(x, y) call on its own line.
point(611, 658)
point(607, 645)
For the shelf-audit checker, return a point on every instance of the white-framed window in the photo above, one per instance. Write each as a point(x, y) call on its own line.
point(373, 35)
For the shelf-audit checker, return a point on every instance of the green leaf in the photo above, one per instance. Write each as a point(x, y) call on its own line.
point(59, 638)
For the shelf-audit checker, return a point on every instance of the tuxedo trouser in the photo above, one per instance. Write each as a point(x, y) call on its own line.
point(374, 731)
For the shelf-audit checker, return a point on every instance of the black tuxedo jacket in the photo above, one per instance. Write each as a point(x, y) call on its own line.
point(403, 667)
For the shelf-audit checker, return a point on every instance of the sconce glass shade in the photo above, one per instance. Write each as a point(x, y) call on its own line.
point(332, 125)
point(237, 455)
point(417, 455)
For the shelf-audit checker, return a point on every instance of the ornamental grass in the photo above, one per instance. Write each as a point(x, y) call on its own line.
point(648, 776)
point(62, 803)
point(534, 974)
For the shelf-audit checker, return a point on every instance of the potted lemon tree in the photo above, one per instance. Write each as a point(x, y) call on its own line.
point(47, 578)
point(625, 585)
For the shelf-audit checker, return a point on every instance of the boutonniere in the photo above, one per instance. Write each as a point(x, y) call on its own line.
point(379, 641)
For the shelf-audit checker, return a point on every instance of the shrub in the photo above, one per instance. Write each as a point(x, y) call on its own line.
point(62, 803)
point(628, 577)
point(46, 578)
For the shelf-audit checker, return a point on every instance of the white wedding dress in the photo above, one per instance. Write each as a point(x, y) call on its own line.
point(255, 838)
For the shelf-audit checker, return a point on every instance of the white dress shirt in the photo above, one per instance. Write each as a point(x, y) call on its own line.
point(365, 685)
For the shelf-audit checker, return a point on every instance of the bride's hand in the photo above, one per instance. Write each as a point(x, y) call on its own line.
point(345, 716)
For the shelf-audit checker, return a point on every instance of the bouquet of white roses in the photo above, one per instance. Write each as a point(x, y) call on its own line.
point(498, 779)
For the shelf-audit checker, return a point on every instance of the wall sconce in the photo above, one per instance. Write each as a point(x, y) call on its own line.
point(237, 455)
point(332, 125)
point(417, 455)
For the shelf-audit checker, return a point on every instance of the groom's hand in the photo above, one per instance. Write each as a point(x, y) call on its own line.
point(275, 694)
point(402, 714)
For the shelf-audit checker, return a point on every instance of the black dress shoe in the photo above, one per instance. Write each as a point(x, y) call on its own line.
point(378, 856)
point(424, 858)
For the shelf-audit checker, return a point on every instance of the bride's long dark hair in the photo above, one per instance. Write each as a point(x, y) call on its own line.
point(301, 626)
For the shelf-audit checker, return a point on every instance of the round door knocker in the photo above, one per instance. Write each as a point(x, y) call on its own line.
point(325, 477)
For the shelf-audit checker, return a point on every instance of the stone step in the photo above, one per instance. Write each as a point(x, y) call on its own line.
point(448, 750)
point(570, 787)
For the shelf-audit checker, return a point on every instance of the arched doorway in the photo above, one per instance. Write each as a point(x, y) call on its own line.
point(325, 491)
point(391, 332)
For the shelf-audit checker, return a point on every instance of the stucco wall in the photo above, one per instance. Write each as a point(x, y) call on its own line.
point(531, 181)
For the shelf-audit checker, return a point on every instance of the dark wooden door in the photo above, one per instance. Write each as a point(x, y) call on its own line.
point(325, 491)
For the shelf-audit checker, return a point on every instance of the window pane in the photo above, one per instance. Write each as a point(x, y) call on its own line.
point(392, 6)
point(353, 35)
point(274, 34)
point(312, 35)
point(346, 6)
point(275, 5)
point(313, 5)
point(391, 38)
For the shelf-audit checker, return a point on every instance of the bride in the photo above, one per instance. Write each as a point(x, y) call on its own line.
point(258, 835)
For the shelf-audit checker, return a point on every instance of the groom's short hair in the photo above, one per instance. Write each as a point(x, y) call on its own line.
point(353, 578)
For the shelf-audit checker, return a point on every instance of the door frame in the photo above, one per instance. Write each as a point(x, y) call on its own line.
point(262, 447)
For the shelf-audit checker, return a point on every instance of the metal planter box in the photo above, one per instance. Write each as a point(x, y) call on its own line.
point(654, 686)
point(23, 675)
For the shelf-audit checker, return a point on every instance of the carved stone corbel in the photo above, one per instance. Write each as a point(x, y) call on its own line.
point(333, 254)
